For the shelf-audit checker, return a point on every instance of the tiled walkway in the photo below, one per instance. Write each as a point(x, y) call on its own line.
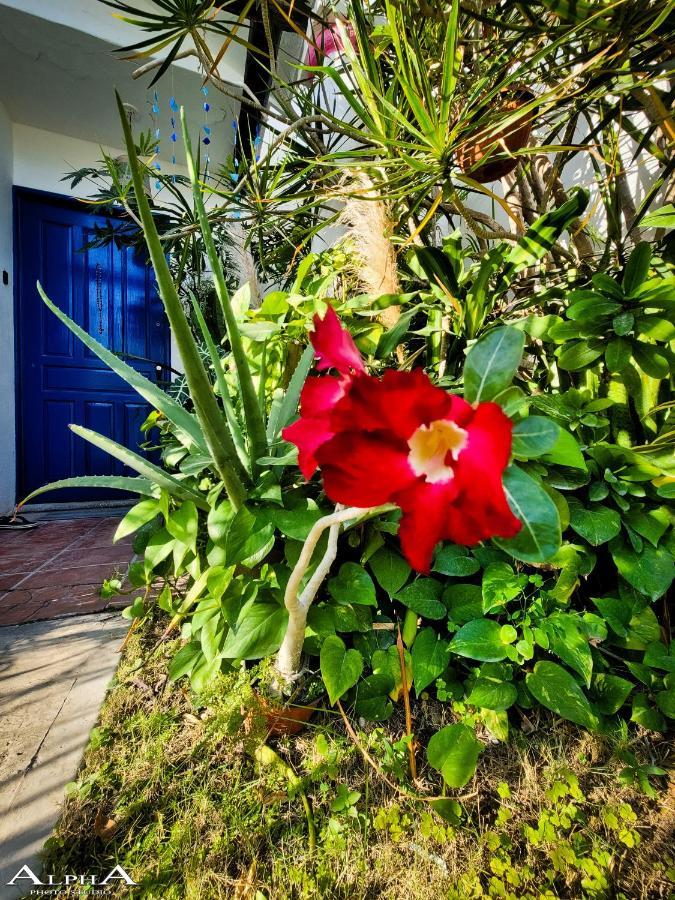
point(57, 568)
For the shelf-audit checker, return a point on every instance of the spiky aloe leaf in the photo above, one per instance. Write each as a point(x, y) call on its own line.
point(232, 422)
point(217, 437)
point(115, 482)
point(141, 465)
point(255, 424)
point(158, 398)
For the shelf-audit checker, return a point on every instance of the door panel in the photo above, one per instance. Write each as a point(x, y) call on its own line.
point(108, 291)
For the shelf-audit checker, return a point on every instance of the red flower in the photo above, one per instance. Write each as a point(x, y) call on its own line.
point(334, 349)
point(400, 439)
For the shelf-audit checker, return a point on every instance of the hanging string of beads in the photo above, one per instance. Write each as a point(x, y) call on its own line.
point(206, 140)
point(158, 134)
point(174, 137)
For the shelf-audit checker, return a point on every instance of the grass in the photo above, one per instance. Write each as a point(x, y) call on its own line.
point(170, 788)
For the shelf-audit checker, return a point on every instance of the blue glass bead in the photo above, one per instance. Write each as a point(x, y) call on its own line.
point(207, 107)
point(207, 140)
point(173, 137)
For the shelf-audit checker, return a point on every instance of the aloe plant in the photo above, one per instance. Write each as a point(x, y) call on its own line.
point(211, 431)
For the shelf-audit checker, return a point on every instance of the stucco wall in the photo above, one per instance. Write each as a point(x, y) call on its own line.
point(7, 442)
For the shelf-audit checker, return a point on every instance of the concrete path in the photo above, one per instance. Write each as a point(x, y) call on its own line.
point(53, 678)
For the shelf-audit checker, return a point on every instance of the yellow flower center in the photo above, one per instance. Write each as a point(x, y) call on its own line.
point(429, 447)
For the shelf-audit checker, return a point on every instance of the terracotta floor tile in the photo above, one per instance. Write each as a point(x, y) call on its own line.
point(57, 569)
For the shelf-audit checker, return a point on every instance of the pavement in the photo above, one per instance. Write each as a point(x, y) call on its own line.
point(58, 653)
point(57, 568)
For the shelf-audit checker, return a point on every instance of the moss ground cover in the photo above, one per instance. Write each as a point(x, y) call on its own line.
point(170, 788)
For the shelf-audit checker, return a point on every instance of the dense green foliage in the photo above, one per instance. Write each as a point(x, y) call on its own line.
point(571, 614)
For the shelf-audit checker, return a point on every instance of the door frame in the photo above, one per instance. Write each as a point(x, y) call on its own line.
point(19, 193)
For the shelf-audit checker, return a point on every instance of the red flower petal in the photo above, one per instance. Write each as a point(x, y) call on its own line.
point(425, 520)
point(312, 429)
point(364, 468)
point(481, 510)
point(307, 435)
point(399, 402)
point(334, 346)
point(319, 396)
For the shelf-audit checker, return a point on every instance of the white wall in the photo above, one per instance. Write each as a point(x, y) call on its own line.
point(92, 17)
point(7, 424)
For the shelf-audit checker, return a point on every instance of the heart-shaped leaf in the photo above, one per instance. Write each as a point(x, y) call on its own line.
point(453, 751)
point(340, 668)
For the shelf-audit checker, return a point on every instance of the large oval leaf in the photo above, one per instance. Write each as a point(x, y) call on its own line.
point(453, 751)
point(491, 363)
point(480, 639)
point(558, 691)
point(539, 538)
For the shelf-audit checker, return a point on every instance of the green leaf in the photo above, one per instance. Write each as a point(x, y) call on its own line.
point(147, 389)
point(223, 390)
point(423, 596)
point(651, 524)
point(660, 218)
point(352, 584)
point(490, 694)
point(644, 714)
point(255, 425)
point(579, 354)
point(565, 452)
point(618, 354)
point(651, 360)
point(184, 661)
point(480, 639)
point(134, 485)
point(259, 631)
point(633, 621)
point(183, 525)
point(611, 692)
point(557, 690)
point(297, 521)
point(388, 662)
point(534, 436)
point(139, 514)
point(464, 602)
point(340, 668)
point(568, 641)
point(539, 239)
point(597, 525)
point(649, 572)
point(500, 584)
point(215, 434)
point(453, 751)
point(143, 466)
point(390, 569)
point(372, 699)
point(637, 268)
point(665, 700)
point(430, 656)
point(491, 363)
point(658, 656)
point(248, 539)
point(539, 537)
point(455, 561)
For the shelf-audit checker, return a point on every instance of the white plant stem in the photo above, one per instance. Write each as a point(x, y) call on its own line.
point(297, 602)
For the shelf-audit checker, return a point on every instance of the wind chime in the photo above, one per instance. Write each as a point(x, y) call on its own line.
point(174, 109)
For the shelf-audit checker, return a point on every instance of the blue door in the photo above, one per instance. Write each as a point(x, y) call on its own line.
point(108, 291)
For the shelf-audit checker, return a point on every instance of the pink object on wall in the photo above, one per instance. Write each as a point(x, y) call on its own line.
point(329, 42)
